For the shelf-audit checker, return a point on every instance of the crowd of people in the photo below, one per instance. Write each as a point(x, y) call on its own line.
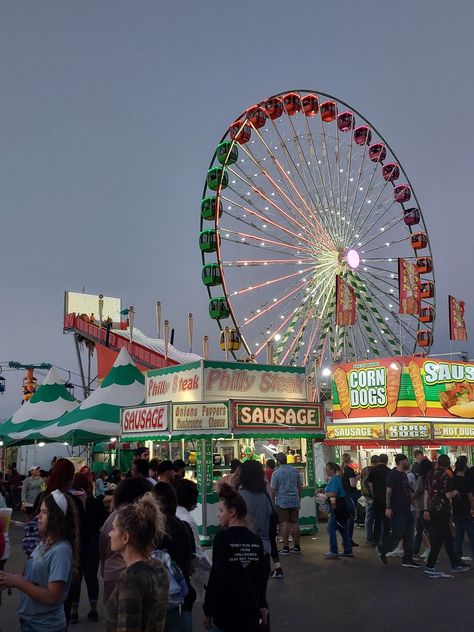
point(406, 507)
point(137, 532)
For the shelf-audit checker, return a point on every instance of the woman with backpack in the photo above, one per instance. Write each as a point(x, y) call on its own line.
point(339, 515)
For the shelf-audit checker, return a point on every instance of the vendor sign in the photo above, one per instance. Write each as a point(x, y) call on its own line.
point(262, 416)
point(212, 417)
point(216, 381)
point(400, 431)
point(342, 432)
point(144, 420)
point(453, 431)
point(403, 387)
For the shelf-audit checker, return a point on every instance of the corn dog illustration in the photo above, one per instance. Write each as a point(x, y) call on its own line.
point(343, 391)
point(415, 375)
point(394, 372)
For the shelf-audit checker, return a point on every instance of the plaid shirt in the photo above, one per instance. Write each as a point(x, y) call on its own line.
point(437, 484)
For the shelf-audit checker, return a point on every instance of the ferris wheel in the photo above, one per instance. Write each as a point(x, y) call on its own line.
point(303, 192)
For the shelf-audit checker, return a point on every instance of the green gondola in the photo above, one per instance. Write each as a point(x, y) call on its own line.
point(217, 176)
point(219, 308)
point(227, 153)
point(211, 274)
point(208, 240)
point(209, 206)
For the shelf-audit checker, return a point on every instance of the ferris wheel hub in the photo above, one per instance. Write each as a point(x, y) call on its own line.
point(352, 258)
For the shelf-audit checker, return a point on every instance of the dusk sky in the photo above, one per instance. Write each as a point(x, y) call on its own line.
point(110, 111)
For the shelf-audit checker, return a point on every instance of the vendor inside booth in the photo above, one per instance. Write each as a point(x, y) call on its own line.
point(217, 412)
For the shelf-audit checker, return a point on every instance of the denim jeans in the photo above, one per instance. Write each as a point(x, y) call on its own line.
point(333, 528)
point(29, 626)
point(369, 520)
point(178, 620)
point(421, 526)
point(381, 523)
point(440, 534)
point(464, 525)
point(351, 508)
point(402, 528)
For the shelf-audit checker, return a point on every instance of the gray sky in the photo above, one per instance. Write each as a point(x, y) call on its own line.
point(110, 111)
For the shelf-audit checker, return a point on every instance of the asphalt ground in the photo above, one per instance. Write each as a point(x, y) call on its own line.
point(318, 594)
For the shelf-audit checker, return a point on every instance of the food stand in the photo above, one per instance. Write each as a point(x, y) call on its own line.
point(401, 403)
point(208, 413)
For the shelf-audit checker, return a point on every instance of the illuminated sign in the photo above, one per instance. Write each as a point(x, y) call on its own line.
point(298, 416)
point(453, 431)
point(356, 431)
point(212, 417)
point(144, 420)
point(402, 431)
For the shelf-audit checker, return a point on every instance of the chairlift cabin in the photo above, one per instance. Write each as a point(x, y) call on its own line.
point(208, 240)
point(419, 241)
point(211, 274)
point(292, 103)
point(217, 176)
point(427, 289)
point(256, 115)
point(411, 216)
point(424, 338)
point(424, 265)
point(345, 121)
point(362, 135)
point(377, 152)
point(229, 339)
point(210, 208)
point(2, 384)
point(219, 308)
point(240, 132)
point(402, 193)
point(426, 314)
point(227, 153)
point(390, 172)
point(328, 111)
point(310, 104)
point(273, 108)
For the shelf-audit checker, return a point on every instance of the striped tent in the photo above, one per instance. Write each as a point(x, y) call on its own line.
point(51, 401)
point(98, 417)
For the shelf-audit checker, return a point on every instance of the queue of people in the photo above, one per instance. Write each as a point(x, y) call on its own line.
point(405, 507)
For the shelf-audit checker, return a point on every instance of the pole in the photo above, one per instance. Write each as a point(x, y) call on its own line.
point(158, 318)
point(269, 352)
point(131, 320)
point(101, 309)
point(190, 332)
point(167, 337)
point(81, 368)
point(226, 343)
point(205, 347)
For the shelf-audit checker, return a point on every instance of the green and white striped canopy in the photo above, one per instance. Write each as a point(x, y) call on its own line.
point(51, 401)
point(98, 417)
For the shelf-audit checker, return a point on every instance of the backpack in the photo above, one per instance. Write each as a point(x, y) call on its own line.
point(178, 588)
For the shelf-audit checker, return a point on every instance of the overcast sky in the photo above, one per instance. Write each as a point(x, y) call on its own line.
point(110, 111)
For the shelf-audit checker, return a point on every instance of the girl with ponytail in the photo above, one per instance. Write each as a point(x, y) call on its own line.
point(139, 601)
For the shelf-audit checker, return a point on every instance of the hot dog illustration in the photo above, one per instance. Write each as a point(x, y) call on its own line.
point(343, 391)
point(394, 373)
point(415, 375)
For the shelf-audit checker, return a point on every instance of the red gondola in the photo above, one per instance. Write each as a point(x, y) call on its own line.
point(424, 338)
point(390, 172)
point(420, 354)
point(419, 241)
point(292, 103)
point(256, 115)
point(345, 121)
point(402, 193)
point(328, 111)
point(424, 265)
point(377, 152)
point(426, 315)
point(362, 135)
point(273, 108)
point(427, 289)
point(240, 132)
point(310, 104)
point(411, 216)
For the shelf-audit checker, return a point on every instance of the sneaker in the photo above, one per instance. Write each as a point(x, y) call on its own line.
point(331, 556)
point(279, 539)
point(354, 543)
point(466, 558)
point(348, 554)
point(277, 573)
point(382, 557)
point(93, 615)
point(396, 553)
point(429, 570)
point(425, 555)
point(284, 551)
point(295, 549)
point(411, 564)
point(460, 569)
